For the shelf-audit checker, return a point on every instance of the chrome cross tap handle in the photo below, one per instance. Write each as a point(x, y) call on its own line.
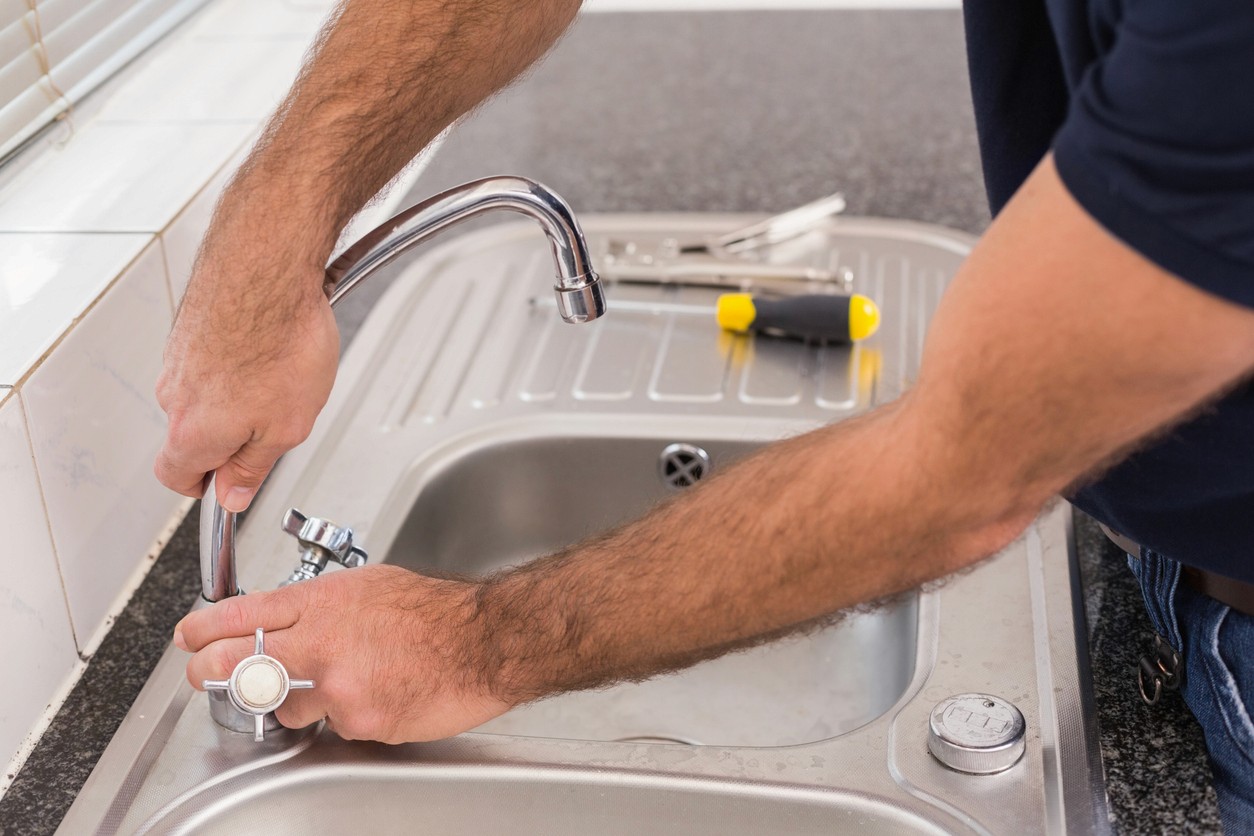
point(258, 685)
point(321, 541)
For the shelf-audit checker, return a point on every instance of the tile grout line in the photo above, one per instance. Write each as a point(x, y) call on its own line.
point(26, 375)
point(63, 691)
point(137, 576)
point(36, 732)
point(162, 233)
point(157, 236)
point(43, 503)
point(83, 650)
point(169, 283)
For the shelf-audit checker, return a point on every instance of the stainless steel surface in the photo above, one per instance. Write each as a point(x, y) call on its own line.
point(976, 733)
point(444, 408)
point(753, 254)
point(471, 800)
point(321, 542)
point(258, 686)
point(718, 273)
point(223, 711)
point(668, 266)
point(649, 307)
point(217, 548)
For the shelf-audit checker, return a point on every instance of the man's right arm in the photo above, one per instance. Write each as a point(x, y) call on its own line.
point(1056, 350)
point(252, 356)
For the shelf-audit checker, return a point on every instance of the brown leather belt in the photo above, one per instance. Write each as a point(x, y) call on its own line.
point(1237, 594)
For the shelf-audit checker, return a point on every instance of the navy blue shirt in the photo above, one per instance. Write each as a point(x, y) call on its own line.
point(1148, 106)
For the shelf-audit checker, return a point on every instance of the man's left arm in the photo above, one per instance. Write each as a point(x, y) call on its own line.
point(1056, 350)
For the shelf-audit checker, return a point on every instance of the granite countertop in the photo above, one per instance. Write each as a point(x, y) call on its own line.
point(726, 112)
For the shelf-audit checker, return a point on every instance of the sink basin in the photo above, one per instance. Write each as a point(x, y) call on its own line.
point(372, 798)
point(467, 437)
point(794, 691)
point(504, 503)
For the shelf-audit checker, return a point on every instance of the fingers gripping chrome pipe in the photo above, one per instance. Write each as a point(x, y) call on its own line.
point(578, 289)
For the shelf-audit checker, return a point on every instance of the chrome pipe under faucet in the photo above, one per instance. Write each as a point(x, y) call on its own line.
point(577, 287)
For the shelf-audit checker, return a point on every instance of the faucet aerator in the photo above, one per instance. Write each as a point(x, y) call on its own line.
point(581, 304)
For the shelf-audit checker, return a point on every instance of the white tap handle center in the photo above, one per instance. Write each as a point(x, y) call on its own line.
point(259, 684)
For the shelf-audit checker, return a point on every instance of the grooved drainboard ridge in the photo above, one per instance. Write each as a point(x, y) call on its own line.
point(493, 306)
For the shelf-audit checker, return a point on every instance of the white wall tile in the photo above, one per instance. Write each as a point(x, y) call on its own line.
point(118, 177)
point(96, 428)
point(262, 18)
point(46, 281)
point(182, 237)
point(38, 650)
point(197, 80)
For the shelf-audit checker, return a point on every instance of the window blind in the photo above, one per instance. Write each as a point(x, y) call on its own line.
point(54, 52)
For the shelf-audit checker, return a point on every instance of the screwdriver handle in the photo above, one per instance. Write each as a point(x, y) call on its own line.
point(818, 316)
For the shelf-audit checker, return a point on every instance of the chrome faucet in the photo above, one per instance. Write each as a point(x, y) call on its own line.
point(579, 299)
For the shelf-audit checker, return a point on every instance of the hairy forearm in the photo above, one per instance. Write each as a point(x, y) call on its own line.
point(385, 77)
point(806, 528)
point(1035, 374)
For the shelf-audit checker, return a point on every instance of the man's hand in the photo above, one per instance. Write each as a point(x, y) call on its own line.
point(246, 373)
point(395, 656)
point(252, 356)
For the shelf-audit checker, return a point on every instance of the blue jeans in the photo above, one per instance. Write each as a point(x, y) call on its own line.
point(1216, 645)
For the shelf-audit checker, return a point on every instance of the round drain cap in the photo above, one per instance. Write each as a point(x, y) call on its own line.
point(976, 733)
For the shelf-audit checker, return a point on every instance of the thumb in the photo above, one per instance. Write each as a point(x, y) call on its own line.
point(239, 479)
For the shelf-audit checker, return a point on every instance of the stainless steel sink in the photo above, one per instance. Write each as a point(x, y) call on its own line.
point(453, 432)
point(494, 506)
point(374, 791)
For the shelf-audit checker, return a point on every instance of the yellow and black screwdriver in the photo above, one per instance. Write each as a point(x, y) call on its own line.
point(815, 316)
point(831, 317)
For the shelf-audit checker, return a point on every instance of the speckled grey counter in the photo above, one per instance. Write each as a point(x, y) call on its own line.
point(714, 112)
point(1156, 772)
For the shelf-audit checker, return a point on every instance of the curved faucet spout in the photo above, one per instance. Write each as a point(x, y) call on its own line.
point(578, 289)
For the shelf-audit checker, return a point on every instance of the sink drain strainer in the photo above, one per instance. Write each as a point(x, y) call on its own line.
point(683, 465)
